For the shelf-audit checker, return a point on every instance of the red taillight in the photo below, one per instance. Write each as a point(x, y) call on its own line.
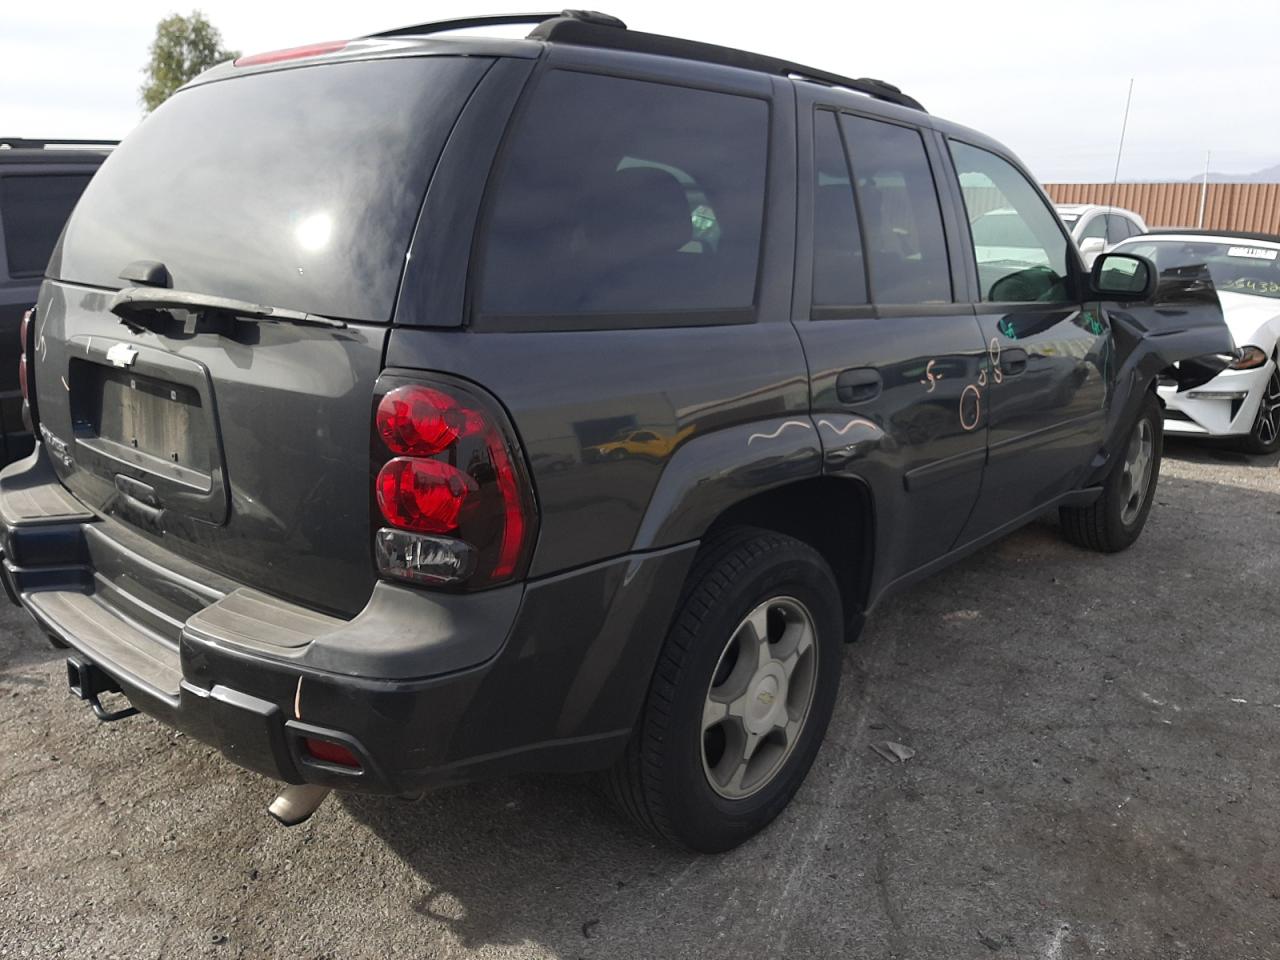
point(22, 377)
point(292, 53)
point(330, 752)
point(454, 493)
point(423, 495)
point(419, 421)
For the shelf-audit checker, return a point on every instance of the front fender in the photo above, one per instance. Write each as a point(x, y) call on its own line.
point(1183, 324)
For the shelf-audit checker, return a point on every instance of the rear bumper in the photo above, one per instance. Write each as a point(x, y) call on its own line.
point(1226, 406)
point(426, 688)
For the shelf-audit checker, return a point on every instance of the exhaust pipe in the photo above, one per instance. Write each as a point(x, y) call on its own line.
point(297, 802)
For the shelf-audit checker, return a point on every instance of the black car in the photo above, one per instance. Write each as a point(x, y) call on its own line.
point(331, 348)
point(40, 181)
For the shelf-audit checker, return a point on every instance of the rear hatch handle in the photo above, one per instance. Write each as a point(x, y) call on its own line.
point(131, 301)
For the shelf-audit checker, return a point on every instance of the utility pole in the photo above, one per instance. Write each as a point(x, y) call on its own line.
point(1120, 149)
point(1204, 188)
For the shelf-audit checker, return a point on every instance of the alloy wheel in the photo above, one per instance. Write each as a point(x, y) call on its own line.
point(1267, 427)
point(1136, 471)
point(759, 697)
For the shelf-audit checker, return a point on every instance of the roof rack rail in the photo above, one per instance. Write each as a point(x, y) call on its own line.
point(497, 20)
point(589, 28)
point(29, 143)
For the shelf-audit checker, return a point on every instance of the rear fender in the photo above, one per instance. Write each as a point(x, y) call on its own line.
point(712, 472)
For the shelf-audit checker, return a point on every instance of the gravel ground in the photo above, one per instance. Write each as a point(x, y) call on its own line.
point(1095, 776)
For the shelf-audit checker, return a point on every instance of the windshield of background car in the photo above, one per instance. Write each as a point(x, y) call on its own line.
point(296, 188)
point(1236, 267)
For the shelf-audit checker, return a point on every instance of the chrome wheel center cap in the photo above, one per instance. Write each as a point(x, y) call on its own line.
point(768, 690)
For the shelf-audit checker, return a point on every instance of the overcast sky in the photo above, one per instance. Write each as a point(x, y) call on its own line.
point(1047, 79)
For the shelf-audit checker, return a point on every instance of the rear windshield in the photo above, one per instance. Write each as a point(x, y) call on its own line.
point(297, 188)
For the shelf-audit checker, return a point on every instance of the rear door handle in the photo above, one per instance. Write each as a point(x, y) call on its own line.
point(858, 385)
point(1013, 361)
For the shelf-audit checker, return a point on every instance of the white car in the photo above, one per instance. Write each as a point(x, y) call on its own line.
point(1096, 229)
point(1243, 401)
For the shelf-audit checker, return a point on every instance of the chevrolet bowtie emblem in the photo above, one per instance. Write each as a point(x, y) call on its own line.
point(122, 355)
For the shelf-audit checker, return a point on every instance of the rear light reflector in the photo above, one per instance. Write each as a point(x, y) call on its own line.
point(292, 53)
point(329, 752)
point(22, 377)
point(26, 346)
point(450, 487)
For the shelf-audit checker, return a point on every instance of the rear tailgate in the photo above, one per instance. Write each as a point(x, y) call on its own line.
point(241, 441)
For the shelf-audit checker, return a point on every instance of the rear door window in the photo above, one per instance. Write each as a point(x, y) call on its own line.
point(33, 210)
point(902, 222)
point(839, 271)
point(297, 188)
point(621, 196)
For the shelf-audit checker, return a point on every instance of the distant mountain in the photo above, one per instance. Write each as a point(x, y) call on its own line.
point(1269, 175)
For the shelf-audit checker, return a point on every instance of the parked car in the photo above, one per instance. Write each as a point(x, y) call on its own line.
point(1097, 228)
point(318, 479)
point(40, 181)
point(1242, 402)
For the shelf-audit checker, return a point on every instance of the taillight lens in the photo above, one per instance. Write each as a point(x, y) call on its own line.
point(327, 751)
point(450, 484)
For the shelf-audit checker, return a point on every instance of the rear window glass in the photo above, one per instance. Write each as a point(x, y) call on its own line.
point(296, 188)
point(625, 196)
point(33, 209)
point(900, 214)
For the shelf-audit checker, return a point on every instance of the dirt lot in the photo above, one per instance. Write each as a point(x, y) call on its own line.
point(1097, 775)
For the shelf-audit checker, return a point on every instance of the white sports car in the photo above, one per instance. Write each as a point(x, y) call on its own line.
point(1243, 401)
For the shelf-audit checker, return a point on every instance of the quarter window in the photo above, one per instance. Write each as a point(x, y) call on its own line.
point(1095, 229)
point(1026, 260)
point(623, 196)
point(902, 223)
point(34, 210)
point(839, 273)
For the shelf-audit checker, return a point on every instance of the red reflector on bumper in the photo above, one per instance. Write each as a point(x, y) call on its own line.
point(330, 752)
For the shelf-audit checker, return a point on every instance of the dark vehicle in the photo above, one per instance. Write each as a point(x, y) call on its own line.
point(40, 181)
point(322, 406)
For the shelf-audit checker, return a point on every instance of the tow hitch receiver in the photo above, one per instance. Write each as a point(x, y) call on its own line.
point(87, 681)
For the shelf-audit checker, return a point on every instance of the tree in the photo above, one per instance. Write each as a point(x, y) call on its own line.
point(183, 47)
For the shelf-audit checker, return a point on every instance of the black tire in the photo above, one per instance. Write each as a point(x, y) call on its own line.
point(1110, 524)
point(660, 781)
point(1267, 421)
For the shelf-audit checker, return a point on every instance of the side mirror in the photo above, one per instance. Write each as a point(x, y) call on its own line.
point(1123, 276)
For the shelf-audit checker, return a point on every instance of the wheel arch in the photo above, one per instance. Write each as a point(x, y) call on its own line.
point(835, 516)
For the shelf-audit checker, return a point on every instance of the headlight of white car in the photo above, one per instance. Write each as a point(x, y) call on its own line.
point(1249, 357)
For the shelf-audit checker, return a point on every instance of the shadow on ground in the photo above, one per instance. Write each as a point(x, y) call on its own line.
point(1098, 747)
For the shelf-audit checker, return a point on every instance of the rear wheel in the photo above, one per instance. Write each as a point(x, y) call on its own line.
point(1265, 436)
point(741, 696)
point(1113, 521)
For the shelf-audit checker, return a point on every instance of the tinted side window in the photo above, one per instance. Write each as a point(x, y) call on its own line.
point(906, 247)
point(1117, 228)
point(1095, 229)
point(624, 196)
point(33, 210)
point(1031, 267)
point(839, 273)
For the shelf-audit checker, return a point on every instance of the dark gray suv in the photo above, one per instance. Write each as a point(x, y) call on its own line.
point(417, 409)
